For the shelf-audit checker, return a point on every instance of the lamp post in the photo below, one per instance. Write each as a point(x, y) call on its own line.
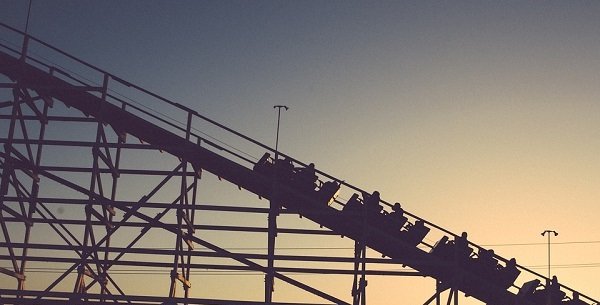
point(548, 296)
point(549, 232)
point(278, 107)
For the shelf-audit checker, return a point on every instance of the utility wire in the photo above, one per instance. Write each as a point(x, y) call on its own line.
point(351, 248)
point(154, 271)
point(543, 244)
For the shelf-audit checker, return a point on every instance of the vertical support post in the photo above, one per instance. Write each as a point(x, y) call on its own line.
point(360, 266)
point(181, 262)
point(450, 296)
point(101, 276)
point(102, 272)
point(7, 172)
point(438, 300)
point(359, 286)
point(272, 233)
point(455, 296)
point(24, 47)
point(274, 206)
point(363, 276)
point(33, 200)
point(186, 213)
point(7, 169)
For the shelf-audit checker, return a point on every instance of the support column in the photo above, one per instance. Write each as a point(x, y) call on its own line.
point(8, 172)
point(33, 200)
point(359, 285)
point(272, 234)
point(181, 262)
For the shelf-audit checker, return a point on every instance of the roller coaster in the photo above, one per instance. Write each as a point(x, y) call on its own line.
point(88, 178)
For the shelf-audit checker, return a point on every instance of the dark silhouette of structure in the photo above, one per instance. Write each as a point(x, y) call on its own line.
point(89, 242)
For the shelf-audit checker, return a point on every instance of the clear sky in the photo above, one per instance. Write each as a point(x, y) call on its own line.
point(479, 116)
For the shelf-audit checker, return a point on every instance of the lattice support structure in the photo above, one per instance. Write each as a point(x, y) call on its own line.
point(100, 202)
point(21, 161)
point(85, 245)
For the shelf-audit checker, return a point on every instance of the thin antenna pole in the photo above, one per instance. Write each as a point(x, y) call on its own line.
point(28, 14)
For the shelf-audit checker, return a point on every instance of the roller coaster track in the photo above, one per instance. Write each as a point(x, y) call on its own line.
point(38, 86)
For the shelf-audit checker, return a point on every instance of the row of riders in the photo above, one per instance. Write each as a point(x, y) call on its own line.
point(484, 263)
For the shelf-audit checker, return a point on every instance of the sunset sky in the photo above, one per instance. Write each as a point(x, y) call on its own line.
point(479, 116)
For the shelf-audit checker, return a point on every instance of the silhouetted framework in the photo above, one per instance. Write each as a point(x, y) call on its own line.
point(73, 149)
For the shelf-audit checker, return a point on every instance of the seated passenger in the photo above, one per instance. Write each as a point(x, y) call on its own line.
point(353, 205)
point(415, 233)
point(396, 217)
point(485, 263)
point(441, 248)
point(306, 178)
point(461, 247)
point(550, 294)
point(262, 166)
point(284, 169)
point(397, 210)
point(486, 258)
point(508, 274)
point(457, 251)
point(371, 202)
point(461, 241)
point(328, 192)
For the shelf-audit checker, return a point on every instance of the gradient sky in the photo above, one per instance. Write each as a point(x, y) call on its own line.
point(479, 116)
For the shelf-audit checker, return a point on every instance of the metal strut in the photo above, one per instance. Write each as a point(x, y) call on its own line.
point(359, 285)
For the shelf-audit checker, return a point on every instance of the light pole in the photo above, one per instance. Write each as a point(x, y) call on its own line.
point(549, 234)
point(278, 107)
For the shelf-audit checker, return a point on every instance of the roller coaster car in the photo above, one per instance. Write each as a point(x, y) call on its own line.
point(304, 178)
point(264, 165)
point(506, 275)
point(442, 248)
point(269, 167)
point(552, 292)
point(574, 301)
point(457, 251)
point(394, 222)
point(371, 203)
point(414, 233)
point(355, 209)
point(354, 205)
point(528, 294)
point(485, 264)
point(525, 294)
point(284, 170)
point(328, 192)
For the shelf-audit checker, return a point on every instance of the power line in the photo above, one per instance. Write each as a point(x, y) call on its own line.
point(539, 243)
point(208, 272)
